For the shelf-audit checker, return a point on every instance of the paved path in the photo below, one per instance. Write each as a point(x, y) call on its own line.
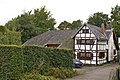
point(96, 73)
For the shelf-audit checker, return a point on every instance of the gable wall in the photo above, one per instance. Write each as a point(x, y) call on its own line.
point(111, 47)
point(95, 49)
point(81, 35)
point(85, 47)
point(119, 41)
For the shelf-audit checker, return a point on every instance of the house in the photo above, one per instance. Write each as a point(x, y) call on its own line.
point(90, 44)
point(94, 45)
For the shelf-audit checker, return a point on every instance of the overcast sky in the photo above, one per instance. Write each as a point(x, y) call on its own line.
point(68, 10)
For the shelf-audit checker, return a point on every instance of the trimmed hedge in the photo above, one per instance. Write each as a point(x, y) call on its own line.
point(10, 62)
point(15, 61)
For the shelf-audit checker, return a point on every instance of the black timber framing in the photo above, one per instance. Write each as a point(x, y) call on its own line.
point(94, 51)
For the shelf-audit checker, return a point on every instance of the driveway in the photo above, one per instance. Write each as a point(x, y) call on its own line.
point(95, 72)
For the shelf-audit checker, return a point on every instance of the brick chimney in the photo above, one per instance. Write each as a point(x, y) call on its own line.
point(108, 25)
point(102, 28)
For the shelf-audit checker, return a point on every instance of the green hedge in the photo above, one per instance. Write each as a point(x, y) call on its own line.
point(10, 62)
point(17, 60)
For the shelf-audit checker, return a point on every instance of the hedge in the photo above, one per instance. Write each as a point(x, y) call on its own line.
point(10, 62)
point(18, 60)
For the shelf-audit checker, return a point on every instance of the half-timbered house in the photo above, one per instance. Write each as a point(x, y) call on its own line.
point(94, 45)
point(90, 44)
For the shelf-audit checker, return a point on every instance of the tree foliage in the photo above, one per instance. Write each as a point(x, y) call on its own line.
point(98, 18)
point(76, 24)
point(3, 29)
point(8, 37)
point(115, 19)
point(66, 25)
point(31, 23)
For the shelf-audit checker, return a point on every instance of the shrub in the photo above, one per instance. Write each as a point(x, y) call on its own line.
point(57, 73)
point(60, 57)
point(68, 72)
point(36, 76)
point(35, 58)
point(17, 60)
point(62, 73)
point(10, 62)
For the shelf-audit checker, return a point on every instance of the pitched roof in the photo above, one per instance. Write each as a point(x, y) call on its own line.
point(62, 37)
point(109, 32)
point(96, 31)
point(99, 35)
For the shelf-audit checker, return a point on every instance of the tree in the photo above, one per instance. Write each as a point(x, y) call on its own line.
point(115, 19)
point(8, 37)
point(76, 24)
point(41, 17)
point(30, 24)
point(97, 19)
point(66, 25)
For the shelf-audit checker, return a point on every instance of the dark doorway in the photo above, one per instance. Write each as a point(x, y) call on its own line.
point(107, 59)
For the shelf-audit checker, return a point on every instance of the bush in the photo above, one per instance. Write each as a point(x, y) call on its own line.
point(57, 73)
point(17, 60)
point(62, 73)
point(69, 73)
point(36, 76)
point(10, 62)
point(60, 57)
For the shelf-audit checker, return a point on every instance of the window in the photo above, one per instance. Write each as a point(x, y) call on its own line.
point(82, 41)
point(85, 31)
point(52, 45)
point(85, 41)
point(101, 54)
point(78, 41)
point(88, 41)
point(85, 55)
